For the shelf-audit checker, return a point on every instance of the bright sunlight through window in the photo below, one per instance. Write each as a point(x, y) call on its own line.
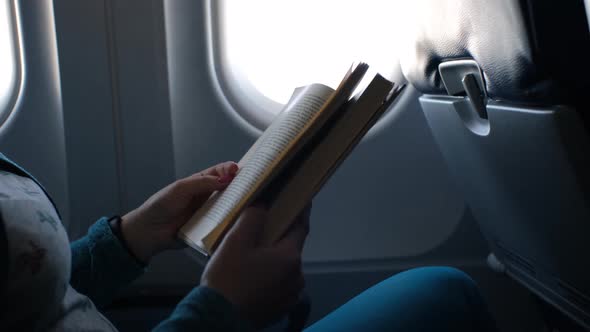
point(8, 63)
point(277, 45)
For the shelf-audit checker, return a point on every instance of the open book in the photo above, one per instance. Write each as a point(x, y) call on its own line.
point(294, 157)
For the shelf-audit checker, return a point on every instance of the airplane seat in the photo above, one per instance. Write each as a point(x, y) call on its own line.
point(504, 92)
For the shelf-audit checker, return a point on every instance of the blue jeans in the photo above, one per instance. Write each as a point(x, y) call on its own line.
point(422, 299)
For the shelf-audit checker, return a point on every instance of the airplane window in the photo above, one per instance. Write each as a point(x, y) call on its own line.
point(271, 47)
point(9, 67)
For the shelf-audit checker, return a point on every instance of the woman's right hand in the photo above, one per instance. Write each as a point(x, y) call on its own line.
point(263, 282)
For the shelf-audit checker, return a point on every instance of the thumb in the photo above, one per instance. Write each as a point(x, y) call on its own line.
point(248, 229)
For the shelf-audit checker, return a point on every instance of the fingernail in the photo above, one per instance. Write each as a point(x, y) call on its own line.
point(225, 179)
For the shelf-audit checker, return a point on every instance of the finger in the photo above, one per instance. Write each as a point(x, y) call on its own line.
point(299, 313)
point(299, 282)
point(307, 208)
point(217, 170)
point(230, 168)
point(304, 216)
point(247, 231)
point(220, 170)
point(293, 289)
point(227, 169)
point(200, 186)
point(294, 239)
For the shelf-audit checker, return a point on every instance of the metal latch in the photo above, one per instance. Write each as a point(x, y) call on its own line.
point(464, 78)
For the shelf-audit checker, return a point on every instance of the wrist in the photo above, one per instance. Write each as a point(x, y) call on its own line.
point(134, 238)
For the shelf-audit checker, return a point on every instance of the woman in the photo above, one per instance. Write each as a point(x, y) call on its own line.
point(46, 284)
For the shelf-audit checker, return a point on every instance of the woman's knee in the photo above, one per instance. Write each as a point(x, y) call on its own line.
point(438, 285)
point(442, 279)
point(451, 295)
point(421, 299)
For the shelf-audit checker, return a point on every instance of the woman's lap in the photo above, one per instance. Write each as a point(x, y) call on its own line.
point(422, 299)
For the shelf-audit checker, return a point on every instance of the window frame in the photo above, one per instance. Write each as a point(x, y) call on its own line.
point(253, 110)
point(8, 105)
point(246, 103)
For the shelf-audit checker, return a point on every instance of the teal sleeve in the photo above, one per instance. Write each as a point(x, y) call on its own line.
point(204, 309)
point(101, 265)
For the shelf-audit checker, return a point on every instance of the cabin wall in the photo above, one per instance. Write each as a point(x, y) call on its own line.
point(123, 100)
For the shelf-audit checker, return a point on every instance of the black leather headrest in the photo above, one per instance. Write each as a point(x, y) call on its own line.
point(532, 52)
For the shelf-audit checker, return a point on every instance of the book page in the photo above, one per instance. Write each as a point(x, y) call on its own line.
point(278, 118)
point(311, 171)
point(304, 104)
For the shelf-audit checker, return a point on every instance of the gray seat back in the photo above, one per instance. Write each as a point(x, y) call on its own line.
point(505, 94)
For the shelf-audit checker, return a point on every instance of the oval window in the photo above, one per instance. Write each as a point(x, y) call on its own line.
point(263, 49)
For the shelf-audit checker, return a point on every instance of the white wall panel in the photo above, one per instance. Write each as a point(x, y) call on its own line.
point(88, 105)
point(33, 135)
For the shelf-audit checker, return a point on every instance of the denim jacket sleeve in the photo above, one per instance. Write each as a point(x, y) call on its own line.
point(101, 265)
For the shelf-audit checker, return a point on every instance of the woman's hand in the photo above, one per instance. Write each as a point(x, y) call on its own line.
point(152, 227)
point(263, 282)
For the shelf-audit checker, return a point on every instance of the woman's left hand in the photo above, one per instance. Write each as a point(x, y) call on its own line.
point(152, 227)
